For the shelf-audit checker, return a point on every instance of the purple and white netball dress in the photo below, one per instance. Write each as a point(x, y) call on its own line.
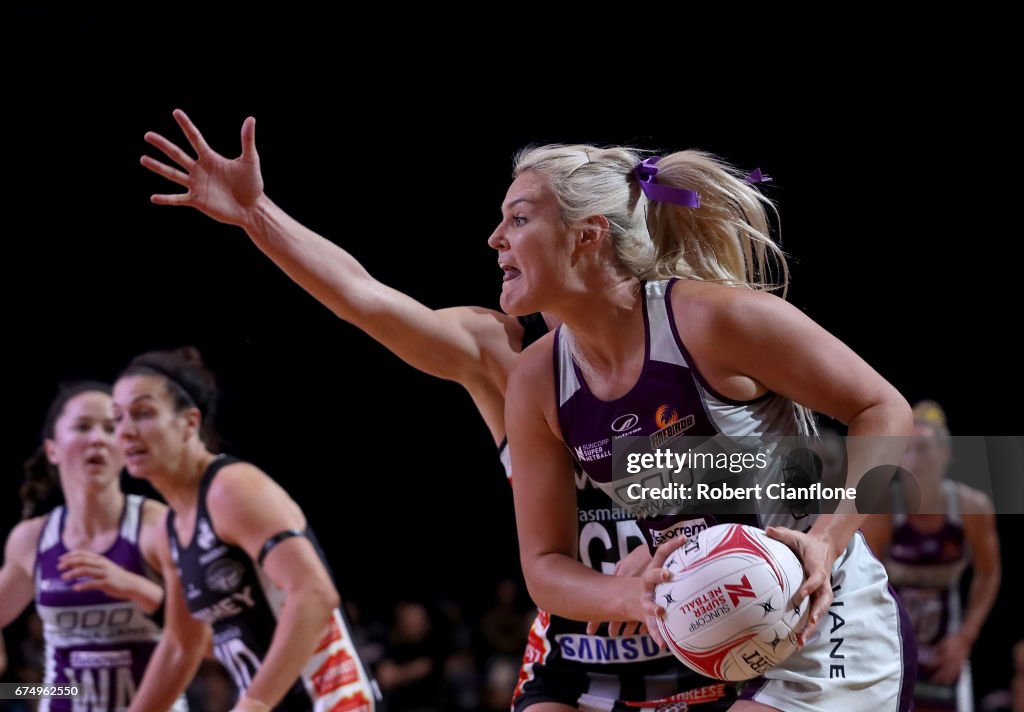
point(563, 663)
point(97, 643)
point(858, 655)
point(925, 569)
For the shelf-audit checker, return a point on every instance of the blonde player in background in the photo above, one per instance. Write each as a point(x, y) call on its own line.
point(926, 555)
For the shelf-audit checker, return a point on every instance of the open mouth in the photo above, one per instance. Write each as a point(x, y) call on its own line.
point(510, 272)
point(134, 455)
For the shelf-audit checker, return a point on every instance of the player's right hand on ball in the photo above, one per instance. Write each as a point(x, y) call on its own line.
point(633, 564)
point(651, 577)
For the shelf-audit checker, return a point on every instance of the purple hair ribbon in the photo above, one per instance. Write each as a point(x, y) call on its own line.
point(646, 173)
point(756, 176)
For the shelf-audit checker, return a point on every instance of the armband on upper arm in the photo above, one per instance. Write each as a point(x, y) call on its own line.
point(275, 540)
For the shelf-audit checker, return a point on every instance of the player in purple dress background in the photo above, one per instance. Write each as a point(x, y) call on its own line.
point(89, 563)
point(926, 555)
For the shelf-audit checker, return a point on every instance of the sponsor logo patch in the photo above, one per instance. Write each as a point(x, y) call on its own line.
point(604, 650)
point(224, 575)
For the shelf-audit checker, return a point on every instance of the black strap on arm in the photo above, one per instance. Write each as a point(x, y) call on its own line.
point(275, 540)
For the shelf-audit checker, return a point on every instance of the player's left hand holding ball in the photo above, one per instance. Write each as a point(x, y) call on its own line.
point(817, 556)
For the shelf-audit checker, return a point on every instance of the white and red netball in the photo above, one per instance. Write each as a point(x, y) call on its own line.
point(728, 607)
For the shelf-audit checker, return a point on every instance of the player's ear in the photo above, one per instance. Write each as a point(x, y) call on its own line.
point(592, 231)
point(50, 448)
point(193, 422)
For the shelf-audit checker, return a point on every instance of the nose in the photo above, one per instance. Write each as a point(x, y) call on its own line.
point(100, 434)
point(124, 430)
point(497, 239)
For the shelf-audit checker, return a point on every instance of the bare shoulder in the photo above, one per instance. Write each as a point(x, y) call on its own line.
point(153, 513)
point(531, 391)
point(974, 501)
point(246, 506)
point(153, 533)
point(22, 542)
point(239, 480)
point(531, 386)
point(241, 490)
point(536, 365)
point(734, 336)
point(711, 303)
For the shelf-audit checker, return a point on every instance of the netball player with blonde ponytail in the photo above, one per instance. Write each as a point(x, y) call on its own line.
point(660, 271)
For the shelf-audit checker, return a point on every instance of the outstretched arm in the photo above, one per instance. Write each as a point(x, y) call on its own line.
point(461, 344)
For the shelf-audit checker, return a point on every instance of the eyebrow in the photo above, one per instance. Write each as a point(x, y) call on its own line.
point(512, 204)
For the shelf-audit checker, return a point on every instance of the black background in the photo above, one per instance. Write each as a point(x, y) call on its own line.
point(400, 152)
